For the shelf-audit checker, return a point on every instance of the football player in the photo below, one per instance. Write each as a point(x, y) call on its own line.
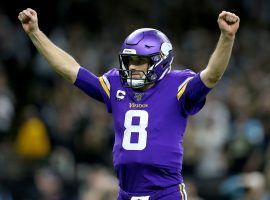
point(149, 101)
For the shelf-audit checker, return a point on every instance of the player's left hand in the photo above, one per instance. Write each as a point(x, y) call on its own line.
point(228, 23)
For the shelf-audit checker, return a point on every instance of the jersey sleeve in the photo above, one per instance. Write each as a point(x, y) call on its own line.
point(95, 87)
point(192, 94)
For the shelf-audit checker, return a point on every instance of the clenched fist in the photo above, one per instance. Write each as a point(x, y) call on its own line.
point(29, 20)
point(228, 23)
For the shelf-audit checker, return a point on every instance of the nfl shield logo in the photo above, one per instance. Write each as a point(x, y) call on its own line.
point(138, 96)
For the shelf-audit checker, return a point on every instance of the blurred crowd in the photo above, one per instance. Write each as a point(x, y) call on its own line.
point(55, 142)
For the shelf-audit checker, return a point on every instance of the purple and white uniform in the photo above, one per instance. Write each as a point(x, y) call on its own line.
point(149, 126)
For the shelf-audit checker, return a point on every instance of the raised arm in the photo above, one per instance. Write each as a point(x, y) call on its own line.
point(58, 59)
point(228, 24)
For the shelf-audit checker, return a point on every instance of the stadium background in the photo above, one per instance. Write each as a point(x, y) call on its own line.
point(55, 142)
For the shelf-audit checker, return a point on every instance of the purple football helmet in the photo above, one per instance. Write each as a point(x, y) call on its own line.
point(146, 43)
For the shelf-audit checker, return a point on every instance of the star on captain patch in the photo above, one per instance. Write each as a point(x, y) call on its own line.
point(138, 96)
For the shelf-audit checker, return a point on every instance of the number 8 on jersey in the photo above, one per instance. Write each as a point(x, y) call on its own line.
point(132, 129)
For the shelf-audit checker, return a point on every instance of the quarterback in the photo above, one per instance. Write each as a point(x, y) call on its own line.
point(150, 103)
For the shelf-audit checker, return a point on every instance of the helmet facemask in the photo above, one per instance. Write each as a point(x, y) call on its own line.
point(128, 76)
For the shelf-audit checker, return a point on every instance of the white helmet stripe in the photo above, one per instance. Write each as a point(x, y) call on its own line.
point(152, 67)
point(166, 71)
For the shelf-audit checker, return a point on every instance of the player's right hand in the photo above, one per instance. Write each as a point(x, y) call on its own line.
point(29, 20)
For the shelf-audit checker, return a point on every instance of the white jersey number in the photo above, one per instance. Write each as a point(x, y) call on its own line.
point(135, 129)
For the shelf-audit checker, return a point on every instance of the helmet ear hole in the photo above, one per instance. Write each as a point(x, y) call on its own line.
point(156, 58)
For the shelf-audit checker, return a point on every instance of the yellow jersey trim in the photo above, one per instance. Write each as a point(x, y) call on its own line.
point(181, 91)
point(104, 86)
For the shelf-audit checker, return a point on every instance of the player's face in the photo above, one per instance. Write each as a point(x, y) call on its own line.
point(140, 64)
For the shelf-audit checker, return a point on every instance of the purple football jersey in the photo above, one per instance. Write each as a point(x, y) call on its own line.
point(149, 127)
